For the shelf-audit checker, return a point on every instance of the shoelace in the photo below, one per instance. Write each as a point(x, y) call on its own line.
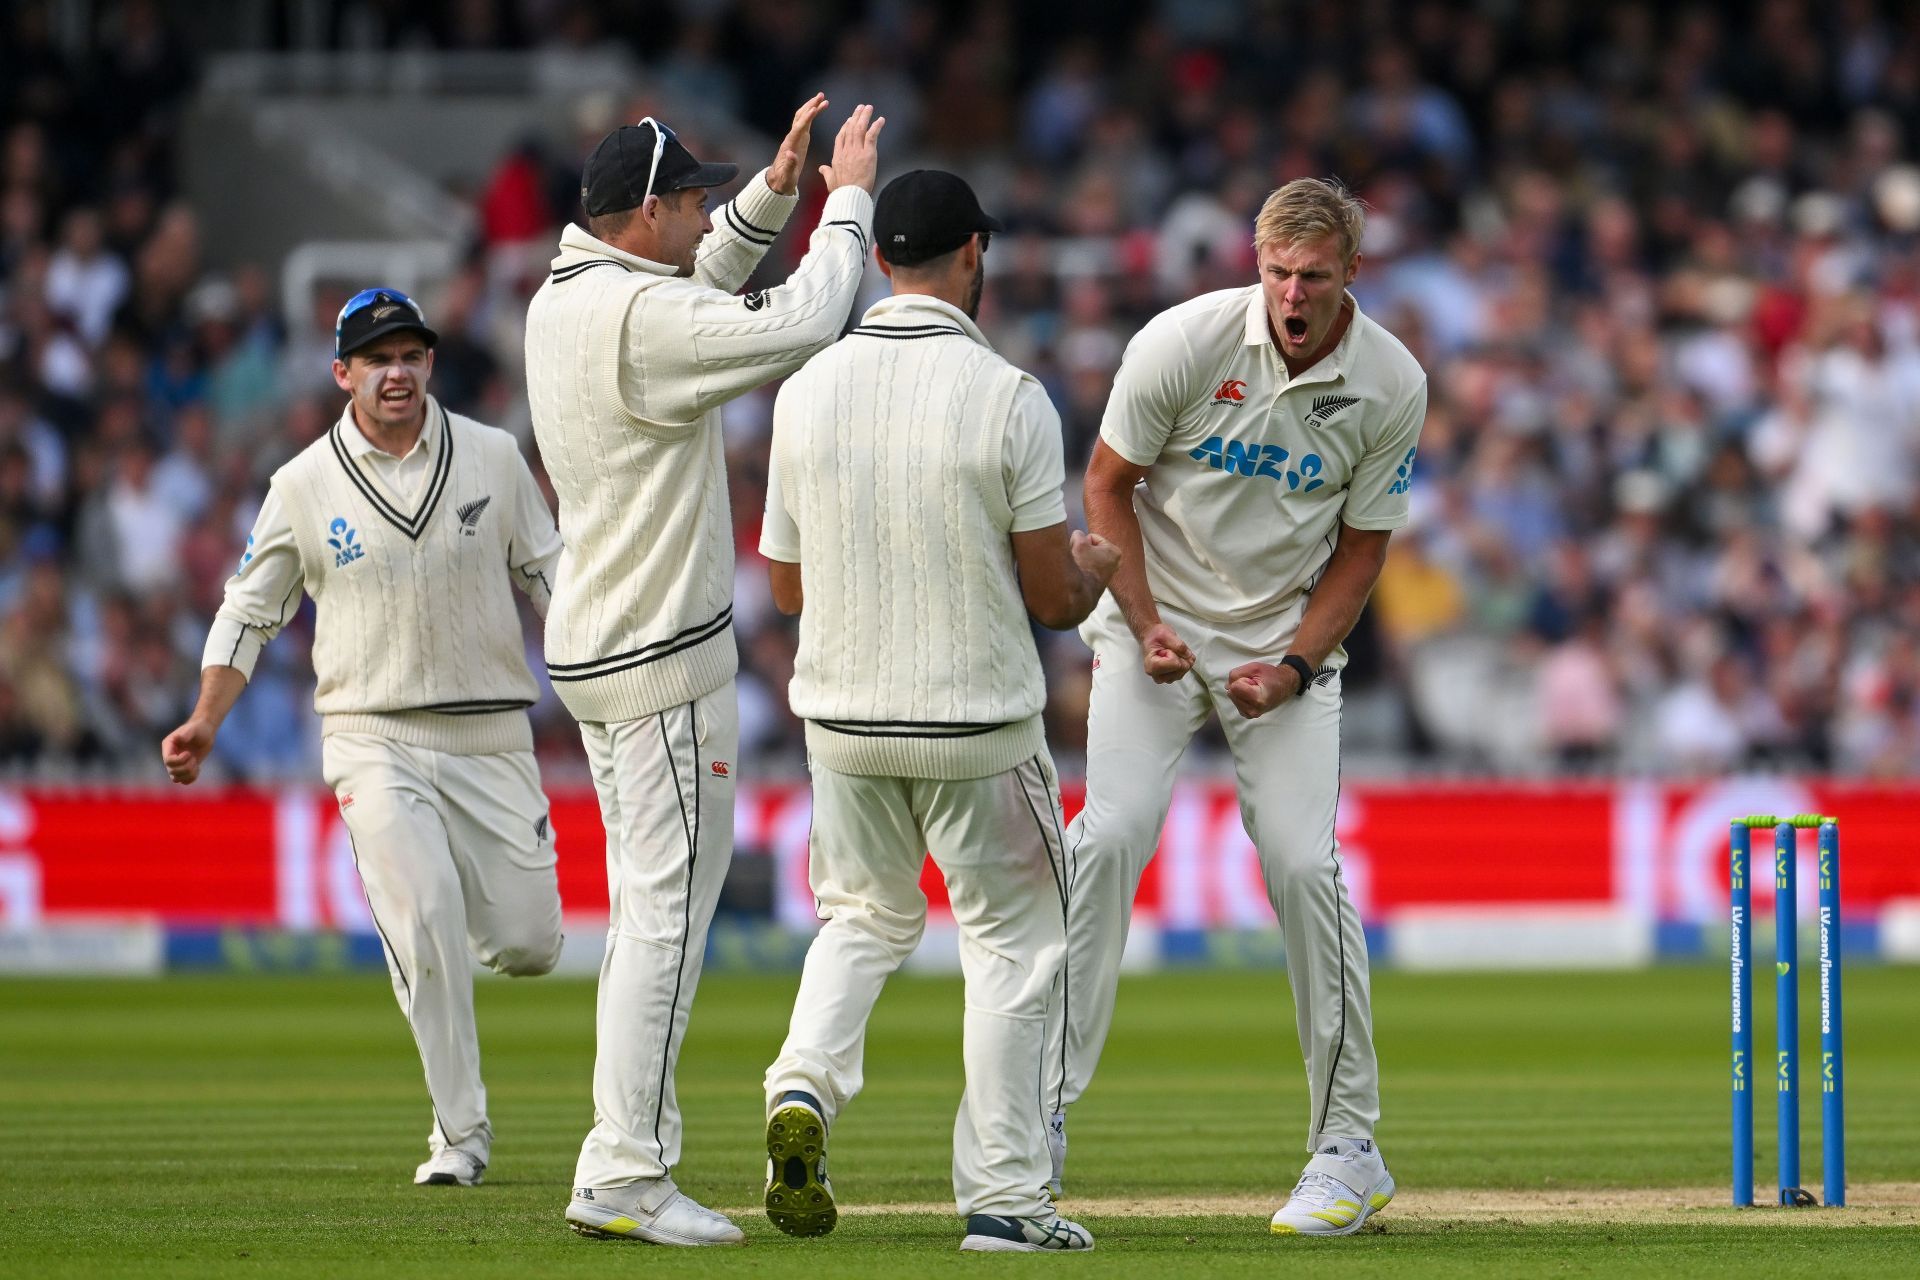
point(1320, 1190)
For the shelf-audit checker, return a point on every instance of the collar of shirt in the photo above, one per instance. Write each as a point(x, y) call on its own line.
point(1331, 366)
point(903, 310)
point(359, 448)
point(576, 244)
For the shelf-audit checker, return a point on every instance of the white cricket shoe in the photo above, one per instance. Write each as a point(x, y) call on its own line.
point(1344, 1184)
point(991, 1233)
point(450, 1168)
point(653, 1210)
point(1057, 1151)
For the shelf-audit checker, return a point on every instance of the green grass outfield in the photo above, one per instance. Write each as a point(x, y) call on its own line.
point(269, 1126)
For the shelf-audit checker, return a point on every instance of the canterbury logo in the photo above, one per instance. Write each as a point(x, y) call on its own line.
point(720, 769)
point(1325, 407)
point(1232, 391)
point(470, 512)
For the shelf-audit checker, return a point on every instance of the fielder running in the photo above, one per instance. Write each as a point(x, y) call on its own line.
point(914, 507)
point(406, 524)
point(1254, 457)
point(633, 345)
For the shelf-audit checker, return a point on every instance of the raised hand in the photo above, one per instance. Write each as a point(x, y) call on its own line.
point(1097, 557)
point(856, 151)
point(783, 175)
point(1163, 654)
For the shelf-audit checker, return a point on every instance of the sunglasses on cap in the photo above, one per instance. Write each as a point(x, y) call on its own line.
point(367, 298)
point(660, 135)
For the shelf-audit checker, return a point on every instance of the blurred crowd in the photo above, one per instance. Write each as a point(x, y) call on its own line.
point(1661, 262)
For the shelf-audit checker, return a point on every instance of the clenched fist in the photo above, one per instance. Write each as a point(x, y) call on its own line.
point(1163, 654)
point(1258, 687)
point(1098, 558)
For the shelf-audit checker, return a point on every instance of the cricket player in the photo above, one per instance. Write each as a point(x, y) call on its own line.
point(634, 343)
point(1253, 460)
point(914, 520)
point(406, 524)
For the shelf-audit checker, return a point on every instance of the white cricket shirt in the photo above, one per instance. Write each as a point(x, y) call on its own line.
point(628, 366)
point(1252, 471)
point(409, 561)
point(903, 457)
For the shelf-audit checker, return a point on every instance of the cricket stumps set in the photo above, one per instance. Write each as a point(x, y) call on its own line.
point(1786, 1073)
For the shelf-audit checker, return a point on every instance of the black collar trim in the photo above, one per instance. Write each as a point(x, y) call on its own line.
point(416, 524)
point(906, 332)
point(565, 274)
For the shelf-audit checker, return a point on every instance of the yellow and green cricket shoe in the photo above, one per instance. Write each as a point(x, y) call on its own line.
point(1344, 1184)
point(799, 1196)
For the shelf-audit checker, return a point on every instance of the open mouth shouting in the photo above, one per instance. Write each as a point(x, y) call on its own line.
point(1294, 330)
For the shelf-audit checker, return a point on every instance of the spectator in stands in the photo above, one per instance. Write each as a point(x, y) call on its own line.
point(1627, 240)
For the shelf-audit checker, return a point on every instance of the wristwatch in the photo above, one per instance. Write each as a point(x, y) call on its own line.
point(1301, 667)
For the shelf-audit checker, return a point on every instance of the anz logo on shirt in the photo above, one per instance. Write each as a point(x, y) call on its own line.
point(345, 549)
point(1403, 474)
point(1270, 460)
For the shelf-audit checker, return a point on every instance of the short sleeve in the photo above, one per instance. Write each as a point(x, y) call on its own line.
point(1148, 393)
point(1377, 495)
point(1033, 460)
point(779, 533)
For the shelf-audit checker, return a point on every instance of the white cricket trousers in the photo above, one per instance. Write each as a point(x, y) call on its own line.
point(998, 841)
point(665, 784)
point(457, 856)
point(1287, 767)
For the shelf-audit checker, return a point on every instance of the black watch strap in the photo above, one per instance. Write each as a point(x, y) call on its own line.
point(1301, 667)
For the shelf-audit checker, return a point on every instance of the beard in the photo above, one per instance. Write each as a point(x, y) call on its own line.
point(974, 291)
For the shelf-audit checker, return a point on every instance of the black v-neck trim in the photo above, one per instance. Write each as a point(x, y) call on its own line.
point(415, 525)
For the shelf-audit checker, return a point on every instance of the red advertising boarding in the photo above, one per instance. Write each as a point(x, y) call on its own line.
point(1657, 851)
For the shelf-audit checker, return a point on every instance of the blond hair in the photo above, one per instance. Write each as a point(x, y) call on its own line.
point(1308, 209)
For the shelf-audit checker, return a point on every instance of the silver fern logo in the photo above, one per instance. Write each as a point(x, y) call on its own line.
point(1326, 407)
point(470, 514)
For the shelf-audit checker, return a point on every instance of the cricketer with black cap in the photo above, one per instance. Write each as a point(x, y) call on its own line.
point(915, 521)
point(634, 343)
point(409, 526)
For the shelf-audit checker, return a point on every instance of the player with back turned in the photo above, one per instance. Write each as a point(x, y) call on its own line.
point(409, 526)
point(1254, 458)
point(914, 521)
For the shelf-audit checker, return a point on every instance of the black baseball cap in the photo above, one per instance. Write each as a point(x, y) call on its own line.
point(925, 213)
point(615, 177)
point(375, 313)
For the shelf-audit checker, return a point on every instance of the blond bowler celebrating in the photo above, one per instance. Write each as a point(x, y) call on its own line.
point(1254, 457)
